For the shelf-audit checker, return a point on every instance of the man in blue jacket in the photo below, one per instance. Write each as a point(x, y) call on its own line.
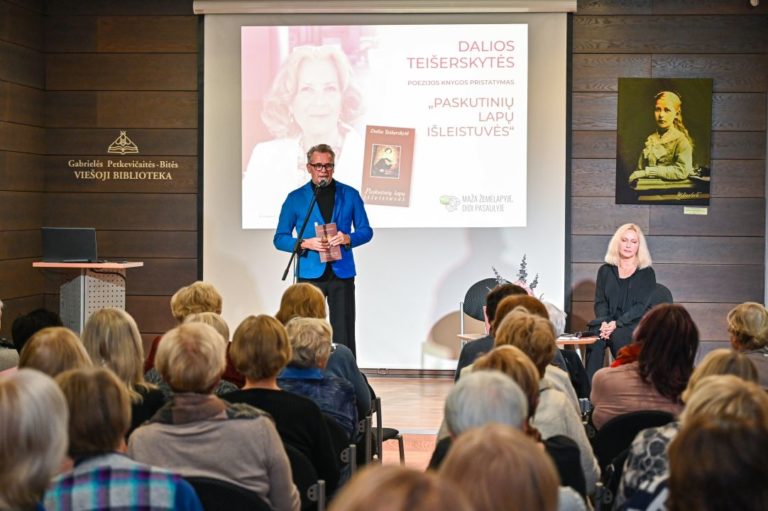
point(342, 205)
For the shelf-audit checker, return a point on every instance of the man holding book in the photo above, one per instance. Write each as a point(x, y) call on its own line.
point(339, 223)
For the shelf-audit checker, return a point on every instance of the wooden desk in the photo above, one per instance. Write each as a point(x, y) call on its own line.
point(581, 344)
point(98, 285)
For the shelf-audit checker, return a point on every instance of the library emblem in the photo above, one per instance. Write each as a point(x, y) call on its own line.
point(123, 145)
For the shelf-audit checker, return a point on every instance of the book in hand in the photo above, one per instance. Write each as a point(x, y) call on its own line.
point(387, 165)
point(327, 231)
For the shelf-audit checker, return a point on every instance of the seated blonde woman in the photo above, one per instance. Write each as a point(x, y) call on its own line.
point(199, 435)
point(310, 340)
point(396, 488)
point(112, 340)
point(102, 476)
point(260, 350)
point(748, 328)
point(33, 442)
point(54, 350)
point(506, 467)
point(304, 300)
point(647, 460)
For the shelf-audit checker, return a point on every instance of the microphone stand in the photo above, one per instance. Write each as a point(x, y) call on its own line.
point(297, 245)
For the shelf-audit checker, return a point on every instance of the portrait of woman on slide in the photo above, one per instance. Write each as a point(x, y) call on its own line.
point(313, 100)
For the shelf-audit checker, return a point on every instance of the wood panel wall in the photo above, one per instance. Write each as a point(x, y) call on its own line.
point(22, 148)
point(112, 65)
point(711, 262)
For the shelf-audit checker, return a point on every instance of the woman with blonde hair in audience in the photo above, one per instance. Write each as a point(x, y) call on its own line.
point(33, 437)
point(556, 413)
point(310, 340)
point(396, 488)
point(652, 372)
point(303, 300)
point(200, 435)
point(197, 297)
point(54, 350)
point(711, 393)
point(260, 350)
point(112, 340)
point(102, 476)
point(214, 319)
point(506, 467)
point(748, 328)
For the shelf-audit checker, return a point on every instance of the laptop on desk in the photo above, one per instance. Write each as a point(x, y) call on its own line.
point(69, 245)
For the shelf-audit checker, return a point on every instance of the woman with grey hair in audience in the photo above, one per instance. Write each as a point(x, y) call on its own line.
point(310, 340)
point(199, 435)
point(33, 437)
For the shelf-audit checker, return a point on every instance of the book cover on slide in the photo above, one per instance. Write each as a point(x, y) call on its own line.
point(388, 165)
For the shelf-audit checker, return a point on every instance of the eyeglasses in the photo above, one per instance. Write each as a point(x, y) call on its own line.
point(321, 166)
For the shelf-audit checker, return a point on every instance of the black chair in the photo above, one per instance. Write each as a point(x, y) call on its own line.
point(617, 434)
point(611, 445)
point(219, 495)
point(383, 434)
point(344, 449)
point(311, 487)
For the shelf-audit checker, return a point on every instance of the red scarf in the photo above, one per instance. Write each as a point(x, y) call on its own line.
point(628, 354)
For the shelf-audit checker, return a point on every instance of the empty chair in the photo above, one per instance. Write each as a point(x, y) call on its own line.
point(384, 434)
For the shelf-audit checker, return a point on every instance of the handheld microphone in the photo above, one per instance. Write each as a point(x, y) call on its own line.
point(323, 183)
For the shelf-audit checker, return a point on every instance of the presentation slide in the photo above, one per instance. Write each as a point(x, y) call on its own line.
point(428, 122)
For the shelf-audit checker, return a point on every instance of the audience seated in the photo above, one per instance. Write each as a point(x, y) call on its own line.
point(748, 328)
point(396, 488)
point(563, 450)
point(474, 349)
point(556, 413)
point(718, 464)
point(54, 350)
point(260, 350)
point(310, 340)
point(200, 435)
point(723, 395)
point(102, 477)
point(652, 371)
point(112, 340)
point(33, 437)
point(496, 463)
point(304, 300)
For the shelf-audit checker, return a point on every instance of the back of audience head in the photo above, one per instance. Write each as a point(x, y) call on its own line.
point(33, 422)
point(99, 410)
point(496, 295)
point(54, 350)
point(505, 466)
point(197, 297)
point(531, 304)
point(192, 358)
point(721, 361)
point(396, 488)
point(557, 317)
point(301, 300)
point(482, 397)
point(534, 335)
point(727, 396)
point(669, 340)
point(112, 339)
point(310, 340)
point(511, 361)
point(26, 326)
point(212, 319)
point(260, 348)
point(748, 326)
point(717, 464)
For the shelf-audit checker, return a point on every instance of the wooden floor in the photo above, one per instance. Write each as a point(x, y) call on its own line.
point(414, 406)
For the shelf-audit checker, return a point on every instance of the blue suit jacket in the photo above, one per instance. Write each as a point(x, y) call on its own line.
point(348, 211)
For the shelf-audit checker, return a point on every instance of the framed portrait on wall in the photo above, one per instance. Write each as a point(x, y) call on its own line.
point(664, 131)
